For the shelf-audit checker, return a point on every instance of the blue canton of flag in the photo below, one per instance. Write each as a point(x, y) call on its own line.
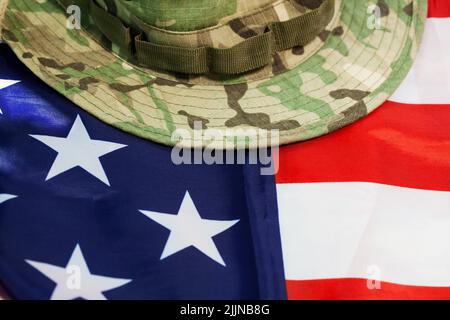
point(87, 211)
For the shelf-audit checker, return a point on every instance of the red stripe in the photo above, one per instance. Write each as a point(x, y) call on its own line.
point(356, 289)
point(3, 295)
point(438, 8)
point(398, 144)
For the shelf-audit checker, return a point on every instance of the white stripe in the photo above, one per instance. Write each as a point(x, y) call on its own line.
point(348, 230)
point(428, 82)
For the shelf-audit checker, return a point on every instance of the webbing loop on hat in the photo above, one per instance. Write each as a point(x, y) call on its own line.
point(245, 56)
point(250, 54)
point(111, 27)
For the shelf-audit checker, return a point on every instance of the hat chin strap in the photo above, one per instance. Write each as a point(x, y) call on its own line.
point(251, 54)
point(3, 6)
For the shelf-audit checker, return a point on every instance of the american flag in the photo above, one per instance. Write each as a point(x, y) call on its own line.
point(90, 212)
point(369, 218)
point(87, 211)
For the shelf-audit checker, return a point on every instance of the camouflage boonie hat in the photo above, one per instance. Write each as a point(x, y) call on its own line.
point(171, 71)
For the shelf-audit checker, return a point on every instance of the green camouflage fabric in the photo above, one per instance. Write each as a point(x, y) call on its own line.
point(221, 24)
point(185, 15)
point(349, 70)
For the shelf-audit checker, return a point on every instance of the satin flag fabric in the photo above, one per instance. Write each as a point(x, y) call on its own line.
point(362, 213)
point(369, 217)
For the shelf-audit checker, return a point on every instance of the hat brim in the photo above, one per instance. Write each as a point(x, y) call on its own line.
point(341, 77)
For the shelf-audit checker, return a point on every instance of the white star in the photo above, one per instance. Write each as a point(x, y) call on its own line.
point(5, 197)
point(78, 150)
point(189, 229)
point(75, 280)
point(5, 84)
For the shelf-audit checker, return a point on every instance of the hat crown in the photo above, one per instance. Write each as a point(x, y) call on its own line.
point(188, 15)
